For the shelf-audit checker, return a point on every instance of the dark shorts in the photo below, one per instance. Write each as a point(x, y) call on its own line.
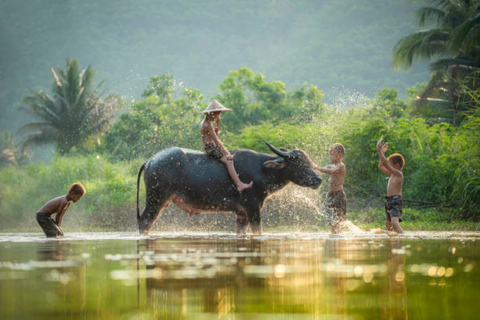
point(336, 207)
point(213, 151)
point(394, 207)
point(48, 225)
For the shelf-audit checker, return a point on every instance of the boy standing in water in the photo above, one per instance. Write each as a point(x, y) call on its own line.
point(336, 203)
point(58, 206)
point(213, 146)
point(392, 166)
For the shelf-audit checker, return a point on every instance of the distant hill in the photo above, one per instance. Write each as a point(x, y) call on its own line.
point(340, 46)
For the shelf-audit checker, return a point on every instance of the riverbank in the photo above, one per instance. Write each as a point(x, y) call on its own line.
point(373, 218)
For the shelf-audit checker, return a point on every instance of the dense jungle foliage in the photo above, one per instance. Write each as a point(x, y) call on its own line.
point(442, 161)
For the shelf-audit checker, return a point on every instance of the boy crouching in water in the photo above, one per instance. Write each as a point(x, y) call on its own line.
point(336, 203)
point(392, 166)
point(58, 206)
point(213, 146)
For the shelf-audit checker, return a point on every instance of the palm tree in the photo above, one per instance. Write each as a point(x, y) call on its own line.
point(453, 46)
point(73, 113)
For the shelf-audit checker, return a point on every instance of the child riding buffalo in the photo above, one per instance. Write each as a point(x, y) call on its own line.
point(213, 146)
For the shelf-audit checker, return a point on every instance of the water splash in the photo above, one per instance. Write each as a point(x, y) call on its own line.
point(344, 98)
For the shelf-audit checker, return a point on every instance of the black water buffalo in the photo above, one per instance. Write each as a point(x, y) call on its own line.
point(199, 184)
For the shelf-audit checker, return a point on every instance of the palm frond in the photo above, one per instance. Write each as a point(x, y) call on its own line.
point(459, 63)
point(423, 44)
point(32, 127)
point(466, 36)
point(430, 14)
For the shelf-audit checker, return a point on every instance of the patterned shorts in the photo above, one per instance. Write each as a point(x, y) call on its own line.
point(336, 207)
point(213, 151)
point(394, 207)
point(49, 226)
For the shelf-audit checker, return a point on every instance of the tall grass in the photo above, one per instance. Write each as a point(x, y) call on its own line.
point(109, 201)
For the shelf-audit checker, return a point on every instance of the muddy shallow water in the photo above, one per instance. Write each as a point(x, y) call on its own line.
point(424, 275)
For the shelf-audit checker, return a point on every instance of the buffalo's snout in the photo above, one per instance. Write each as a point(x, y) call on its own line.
point(316, 182)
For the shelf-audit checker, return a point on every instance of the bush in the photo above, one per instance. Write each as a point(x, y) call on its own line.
point(109, 202)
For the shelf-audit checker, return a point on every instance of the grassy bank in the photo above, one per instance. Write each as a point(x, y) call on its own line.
point(415, 220)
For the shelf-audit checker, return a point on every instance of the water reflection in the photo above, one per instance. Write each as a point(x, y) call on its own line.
point(284, 277)
point(395, 291)
point(324, 277)
point(200, 275)
point(340, 255)
point(67, 275)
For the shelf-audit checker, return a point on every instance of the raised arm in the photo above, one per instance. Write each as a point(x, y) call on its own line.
point(383, 163)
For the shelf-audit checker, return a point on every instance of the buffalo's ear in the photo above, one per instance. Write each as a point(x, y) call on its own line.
point(278, 163)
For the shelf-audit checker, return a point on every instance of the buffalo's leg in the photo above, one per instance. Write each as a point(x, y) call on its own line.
point(256, 226)
point(154, 206)
point(255, 221)
point(248, 216)
point(242, 224)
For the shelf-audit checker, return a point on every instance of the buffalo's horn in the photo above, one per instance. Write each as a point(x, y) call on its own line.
point(282, 154)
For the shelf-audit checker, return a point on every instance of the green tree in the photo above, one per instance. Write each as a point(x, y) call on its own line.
point(453, 46)
point(157, 121)
point(467, 177)
point(162, 86)
point(72, 114)
point(254, 100)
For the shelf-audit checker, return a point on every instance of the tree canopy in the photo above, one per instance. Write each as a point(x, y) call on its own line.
point(71, 114)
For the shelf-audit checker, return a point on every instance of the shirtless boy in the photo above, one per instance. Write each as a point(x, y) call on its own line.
point(336, 203)
point(58, 206)
point(213, 146)
point(392, 166)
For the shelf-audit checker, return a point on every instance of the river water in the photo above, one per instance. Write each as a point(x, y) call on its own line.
point(425, 275)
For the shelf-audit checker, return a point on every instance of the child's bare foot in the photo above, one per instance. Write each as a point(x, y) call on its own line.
point(242, 186)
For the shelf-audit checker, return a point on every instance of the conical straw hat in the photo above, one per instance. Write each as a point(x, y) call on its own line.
point(214, 105)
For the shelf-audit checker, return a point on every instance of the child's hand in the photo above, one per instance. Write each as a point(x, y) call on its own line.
point(385, 147)
point(382, 146)
point(229, 157)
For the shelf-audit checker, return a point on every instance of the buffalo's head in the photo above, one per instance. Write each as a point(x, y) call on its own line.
point(297, 166)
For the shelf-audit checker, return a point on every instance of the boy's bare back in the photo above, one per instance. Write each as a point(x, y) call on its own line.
point(56, 205)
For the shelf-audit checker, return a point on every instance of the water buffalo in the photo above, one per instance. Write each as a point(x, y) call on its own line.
point(200, 184)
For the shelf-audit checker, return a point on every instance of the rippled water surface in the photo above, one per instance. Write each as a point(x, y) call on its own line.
point(221, 276)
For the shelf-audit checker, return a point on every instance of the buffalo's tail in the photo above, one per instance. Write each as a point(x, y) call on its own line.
point(138, 189)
